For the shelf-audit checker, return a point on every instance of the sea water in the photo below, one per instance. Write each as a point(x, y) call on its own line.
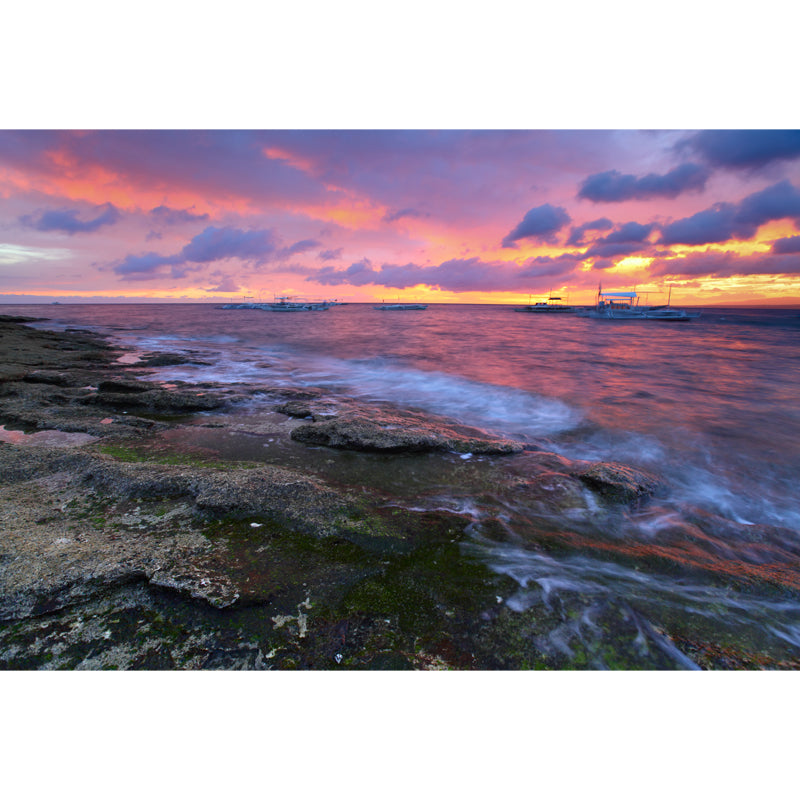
point(712, 406)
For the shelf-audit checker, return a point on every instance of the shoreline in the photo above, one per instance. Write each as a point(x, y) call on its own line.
point(189, 532)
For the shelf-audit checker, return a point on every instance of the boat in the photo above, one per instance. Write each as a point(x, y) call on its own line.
point(625, 306)
point(284, 304)
point(401, 307)
point(667, 313)
point(548, 307)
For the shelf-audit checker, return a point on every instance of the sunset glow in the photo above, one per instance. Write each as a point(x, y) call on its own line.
point(444, 216)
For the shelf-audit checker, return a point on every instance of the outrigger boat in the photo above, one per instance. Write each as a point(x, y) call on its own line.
point(284, 304)
point(625, 305)
point(401, 307)
point(547, 307)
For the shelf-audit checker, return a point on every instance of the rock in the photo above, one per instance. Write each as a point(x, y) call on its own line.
point(170, 360)
point(155, 399)
point(190, 579)
point(123, 387)
point(300, 409)
point(49, 378)
point(555, 492)
point(388, 431)
point(618, 482)
point(295, 408)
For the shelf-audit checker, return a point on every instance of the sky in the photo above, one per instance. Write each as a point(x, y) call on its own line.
point(448, 215)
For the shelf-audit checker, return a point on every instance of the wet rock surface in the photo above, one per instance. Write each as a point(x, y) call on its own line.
point(128, 552)
point(394, 431)
point(619, 483)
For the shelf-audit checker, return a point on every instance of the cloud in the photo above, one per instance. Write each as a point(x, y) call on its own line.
point(716, 264)
point(614, 187)
point(393, 216)
point(627, 239)
point(746, 149)
point(176, 216)
point(791, 244)
point(143, 267)
point(213, 244)
point(613, 249)
point(66, 220)
point(715, 224)
point(725, 221)
point(223, 164)
point(778, 201)
point(298, 247)
point(358, 273)
point(550, 267)
point(20, 254)
point(576, 234)
point(542, 222)
point(226, 285)
point(629, 232)
point(330, 255)
point(455, 275)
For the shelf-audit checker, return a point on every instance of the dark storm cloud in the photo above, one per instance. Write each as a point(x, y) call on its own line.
point(176, 216)
point(66, 220)
point(744, 149)
point(791, 244)
point(542, 222)
point(614, 187)
point(725, 221)
point(576, 234)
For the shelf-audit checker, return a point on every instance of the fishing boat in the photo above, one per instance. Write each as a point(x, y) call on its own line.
point(283, 304)
point(617, 305)
point(549, 306)
point(401, 307)
point(625, 306)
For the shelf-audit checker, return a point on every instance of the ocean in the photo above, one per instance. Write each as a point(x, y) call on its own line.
point(712, 406)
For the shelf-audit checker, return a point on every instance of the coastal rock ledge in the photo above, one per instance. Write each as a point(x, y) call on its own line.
point(395, 431)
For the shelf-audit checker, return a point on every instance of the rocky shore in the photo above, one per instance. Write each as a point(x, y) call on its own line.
point(146, 525)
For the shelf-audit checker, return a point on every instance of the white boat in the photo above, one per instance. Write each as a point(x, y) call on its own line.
point(284, 304)
point(547, 307)
point(625, 306)
point(401, 307)
point(668, 313)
